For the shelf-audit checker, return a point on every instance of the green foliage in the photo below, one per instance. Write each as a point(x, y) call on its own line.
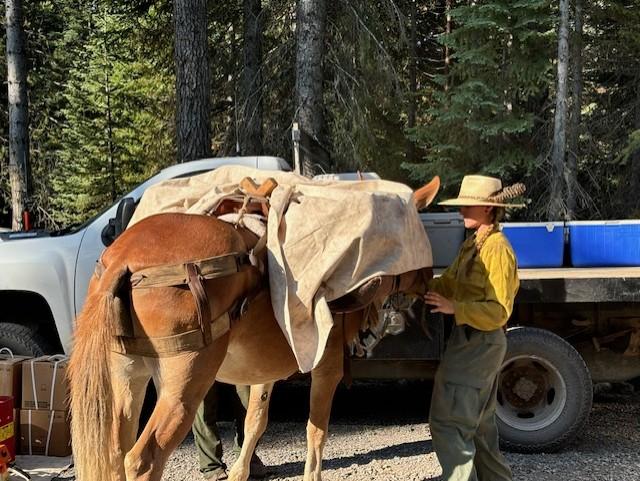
point(365, 93)
point(611, 117)
point(483, 110)
point(118, 118)
point(102, 100)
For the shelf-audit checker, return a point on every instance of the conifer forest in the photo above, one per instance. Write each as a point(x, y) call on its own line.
point(98, 95)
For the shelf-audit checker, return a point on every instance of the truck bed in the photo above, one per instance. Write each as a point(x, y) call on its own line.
point(580, 273)
point(577, 284)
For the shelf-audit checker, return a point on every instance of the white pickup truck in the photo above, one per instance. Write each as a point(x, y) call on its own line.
point(44, 275)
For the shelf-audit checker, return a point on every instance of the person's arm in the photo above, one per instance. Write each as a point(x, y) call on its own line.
point(501, 288)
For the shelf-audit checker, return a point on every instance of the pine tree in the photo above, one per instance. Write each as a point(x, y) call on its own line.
point(482, 117)
point(117, 124)
point(610, 165)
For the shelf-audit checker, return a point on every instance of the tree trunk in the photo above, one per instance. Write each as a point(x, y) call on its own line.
point(571, 170)
point(109, 116)
point(557, 208)
point(251, 85)
point(635, 157)
point(447, 50)
point(413, 83)
point(18, 112)
point(310, 34)
point(192, 79)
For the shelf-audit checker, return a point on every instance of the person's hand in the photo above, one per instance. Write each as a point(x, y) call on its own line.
point(441, 303)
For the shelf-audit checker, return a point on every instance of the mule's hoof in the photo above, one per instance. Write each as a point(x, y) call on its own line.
point(238, 475)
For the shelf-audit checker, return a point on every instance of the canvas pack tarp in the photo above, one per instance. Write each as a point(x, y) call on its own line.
point(324, 239)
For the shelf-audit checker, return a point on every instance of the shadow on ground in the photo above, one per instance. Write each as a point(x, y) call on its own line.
point(379, 402)
point(403, 450)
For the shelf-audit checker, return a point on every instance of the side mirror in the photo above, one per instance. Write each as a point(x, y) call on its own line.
point(126, 207)
point(118, 224)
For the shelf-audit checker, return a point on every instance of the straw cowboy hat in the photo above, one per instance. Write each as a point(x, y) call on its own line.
point(481, 190)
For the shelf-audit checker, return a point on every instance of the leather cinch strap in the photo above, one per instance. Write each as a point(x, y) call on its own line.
point(192, 274)
point(178, 275)
point(194, 279)
point(170, 345)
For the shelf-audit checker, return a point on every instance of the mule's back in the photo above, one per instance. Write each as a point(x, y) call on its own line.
point(173, 238)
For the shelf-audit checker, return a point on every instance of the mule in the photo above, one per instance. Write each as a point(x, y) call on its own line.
point(108, 387)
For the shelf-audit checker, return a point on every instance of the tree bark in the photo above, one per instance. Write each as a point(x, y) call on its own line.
point(18, 112)
point(635, 157)
point(109, 116)
point(193, 79)
point(557, 207)
point(413, 82)
point(251, 84)
point(571, 170)
point(447, 50)
point(310, 35)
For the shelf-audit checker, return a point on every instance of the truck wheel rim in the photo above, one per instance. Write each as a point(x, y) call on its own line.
point(531, 393)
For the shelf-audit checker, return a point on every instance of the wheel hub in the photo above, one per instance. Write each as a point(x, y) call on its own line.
point(523, 386)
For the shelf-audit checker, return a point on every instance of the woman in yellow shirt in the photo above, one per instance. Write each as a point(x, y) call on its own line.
point(479, 289)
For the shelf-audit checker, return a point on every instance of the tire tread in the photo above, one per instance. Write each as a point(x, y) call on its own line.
point(24, 336)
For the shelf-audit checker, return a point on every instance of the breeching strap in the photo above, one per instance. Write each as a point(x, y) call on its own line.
point(192, 274)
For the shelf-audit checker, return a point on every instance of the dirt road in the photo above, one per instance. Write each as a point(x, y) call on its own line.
point(379, 432)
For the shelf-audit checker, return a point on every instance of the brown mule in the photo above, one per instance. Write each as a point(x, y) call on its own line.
point(107, 387)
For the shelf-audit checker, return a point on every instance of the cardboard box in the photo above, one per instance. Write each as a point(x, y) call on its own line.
point(11, 375)
point(44, 383)
point(44, 432)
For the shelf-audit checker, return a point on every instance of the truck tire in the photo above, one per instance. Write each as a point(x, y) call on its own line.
point(544, 392)
point(22, 340)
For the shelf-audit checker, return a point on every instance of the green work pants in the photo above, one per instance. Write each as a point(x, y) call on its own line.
point(463, 407)
point(205, 429)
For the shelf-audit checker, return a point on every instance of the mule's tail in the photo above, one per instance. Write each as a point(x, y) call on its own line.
point(91, 400)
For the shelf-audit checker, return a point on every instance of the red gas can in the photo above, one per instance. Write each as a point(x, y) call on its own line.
point(7, 426)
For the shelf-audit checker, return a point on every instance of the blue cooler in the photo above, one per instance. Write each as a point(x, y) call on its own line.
point(605, 243)
point(536, 244)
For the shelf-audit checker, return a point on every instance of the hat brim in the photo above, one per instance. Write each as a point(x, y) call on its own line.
point(470, 203)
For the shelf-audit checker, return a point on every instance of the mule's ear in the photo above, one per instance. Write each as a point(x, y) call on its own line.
point(425, 195)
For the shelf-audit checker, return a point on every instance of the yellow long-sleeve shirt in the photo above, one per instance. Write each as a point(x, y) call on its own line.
point(482, 298)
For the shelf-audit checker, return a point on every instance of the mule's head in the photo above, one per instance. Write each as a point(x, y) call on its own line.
point(412, 284)
point(415, 283)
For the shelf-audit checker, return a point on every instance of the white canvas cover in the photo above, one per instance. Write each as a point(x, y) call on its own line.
point(324, 239)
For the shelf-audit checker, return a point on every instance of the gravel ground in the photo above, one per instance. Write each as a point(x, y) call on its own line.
point(379, 433)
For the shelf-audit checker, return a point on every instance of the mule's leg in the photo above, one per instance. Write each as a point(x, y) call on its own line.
point(254, 426)
point(129, 379)
point(324, 381)
point(181, 381)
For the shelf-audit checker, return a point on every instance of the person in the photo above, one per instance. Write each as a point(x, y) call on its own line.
point(207, 437)
point(478, 289)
